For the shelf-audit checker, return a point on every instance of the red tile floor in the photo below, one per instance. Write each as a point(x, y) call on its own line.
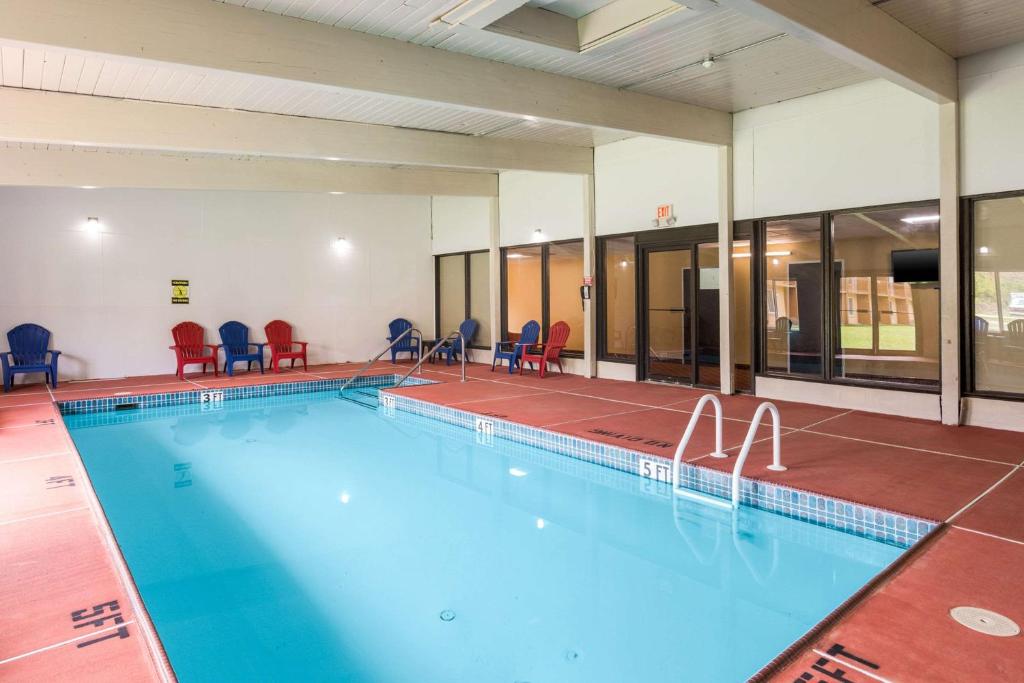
point(60, 561)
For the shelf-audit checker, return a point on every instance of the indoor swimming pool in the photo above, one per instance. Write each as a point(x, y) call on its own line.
point(306, 537)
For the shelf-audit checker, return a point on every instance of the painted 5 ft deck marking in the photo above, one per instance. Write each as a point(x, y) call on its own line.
point(98, 618)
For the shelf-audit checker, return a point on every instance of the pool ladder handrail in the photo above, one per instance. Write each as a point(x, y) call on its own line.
point(685, 441)
point(734, 500)
point(755, 423)
point(451, 335)
point(376, 358)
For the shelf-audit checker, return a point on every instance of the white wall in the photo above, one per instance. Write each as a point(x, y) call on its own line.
point(249, 256)
point(461, 223)
point(553, 202)
point(992, 121)
point(866, 144)
point(633, 177)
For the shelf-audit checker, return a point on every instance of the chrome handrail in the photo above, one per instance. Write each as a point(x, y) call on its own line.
point(439, 344)
point(376, 358)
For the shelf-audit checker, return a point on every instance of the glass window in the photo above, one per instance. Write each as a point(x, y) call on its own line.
point(619, 301)
point(451, 292)
point(793, 296)
point(886, 270)
point(565, 275)
point(741, 291)
point(480, 296)
point(998, 301)
point(523, 301)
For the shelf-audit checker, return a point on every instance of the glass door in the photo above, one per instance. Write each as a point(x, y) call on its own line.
point(669, 292)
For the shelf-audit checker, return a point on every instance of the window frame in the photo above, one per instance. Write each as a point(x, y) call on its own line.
point(437, 291)
point(966, 308)
point(545, 290)
point(829, 325)
point(601, 297)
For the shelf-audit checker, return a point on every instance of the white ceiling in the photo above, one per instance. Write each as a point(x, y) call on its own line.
point(961, 27)
point(59, 71)
point(570, 8)
point(785, 70)
point(754, 64)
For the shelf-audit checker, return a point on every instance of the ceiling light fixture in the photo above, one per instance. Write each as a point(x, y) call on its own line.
point(914, 220)
point(983, 250)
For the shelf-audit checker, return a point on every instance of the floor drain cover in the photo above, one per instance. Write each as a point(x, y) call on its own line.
point(447, 615)
point(984, 621)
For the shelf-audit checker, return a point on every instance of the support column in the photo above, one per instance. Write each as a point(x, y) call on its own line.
point(949, 270)
point(495, 246)
point(726, 306)
point(589, 256)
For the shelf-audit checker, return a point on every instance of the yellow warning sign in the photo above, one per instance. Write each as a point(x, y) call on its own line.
point(179, 291)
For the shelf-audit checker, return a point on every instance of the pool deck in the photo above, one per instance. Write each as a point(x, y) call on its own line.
point(73, 613)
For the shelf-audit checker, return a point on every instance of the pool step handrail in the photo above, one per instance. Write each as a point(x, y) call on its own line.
point(455, 334)
point(776, 465)
point(376, 358)
point(684, 442)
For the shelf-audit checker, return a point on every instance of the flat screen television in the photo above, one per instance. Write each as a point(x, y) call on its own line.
point(915, 265)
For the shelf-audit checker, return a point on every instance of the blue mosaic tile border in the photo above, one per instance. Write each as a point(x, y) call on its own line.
point(861, 520)
point(180, 398)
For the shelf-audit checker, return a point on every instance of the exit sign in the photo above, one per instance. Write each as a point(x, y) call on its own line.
point(664, 211)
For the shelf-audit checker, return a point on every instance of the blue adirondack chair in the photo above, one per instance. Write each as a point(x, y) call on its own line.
point(237, 347)
point(453, 348)
point(29, 347)
point(513, 351)
point(410, 343)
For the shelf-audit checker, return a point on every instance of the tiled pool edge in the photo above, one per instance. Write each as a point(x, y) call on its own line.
point(177, 398)
point(877, 524)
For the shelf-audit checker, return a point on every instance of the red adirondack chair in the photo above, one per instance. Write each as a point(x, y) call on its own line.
point(190, 349)
point(548, 352)
point(282, 346)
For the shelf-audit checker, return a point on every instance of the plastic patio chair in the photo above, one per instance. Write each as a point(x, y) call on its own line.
point(410, 343)
point(548, 352)
point(282, 346)
point(512, 351)
point(190, 349)
point(29, 347)
point(453, 347)
point(234, 337)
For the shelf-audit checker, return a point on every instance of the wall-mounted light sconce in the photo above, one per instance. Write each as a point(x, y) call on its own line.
point(983, 250)
point(538, 235)
point(92, 225)
point(341, 245)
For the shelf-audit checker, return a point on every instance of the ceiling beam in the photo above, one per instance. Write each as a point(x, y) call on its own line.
point(80, 168)
point(60, 118)
point(860, 34)
point(207, 35)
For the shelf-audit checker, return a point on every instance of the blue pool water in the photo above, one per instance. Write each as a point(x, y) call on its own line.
point(307, 538)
